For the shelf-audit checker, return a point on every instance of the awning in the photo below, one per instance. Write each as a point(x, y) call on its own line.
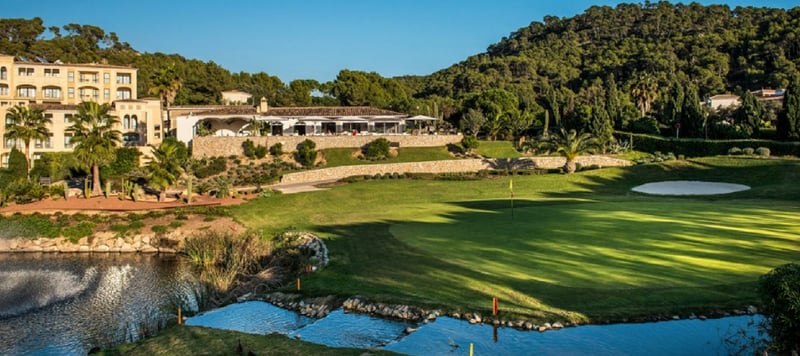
point(350, 119)
point(422, 118)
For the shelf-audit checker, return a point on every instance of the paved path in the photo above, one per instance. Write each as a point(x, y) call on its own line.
point(301, 187)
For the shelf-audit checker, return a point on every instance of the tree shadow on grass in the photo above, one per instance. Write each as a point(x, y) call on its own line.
point(562, 259)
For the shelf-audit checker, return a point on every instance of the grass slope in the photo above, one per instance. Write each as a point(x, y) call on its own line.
point(581, 247)
point(193, 340)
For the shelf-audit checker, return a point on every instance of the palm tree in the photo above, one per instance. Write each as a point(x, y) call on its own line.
point(95, 138)
point(570, 144)
point(165, 84)
point(164, 167)
point(644, 91)
point(27, 124)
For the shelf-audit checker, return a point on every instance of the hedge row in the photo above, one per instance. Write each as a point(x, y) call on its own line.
point(695, 147)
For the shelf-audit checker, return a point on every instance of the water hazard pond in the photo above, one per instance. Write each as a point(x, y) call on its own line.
point(69, 304)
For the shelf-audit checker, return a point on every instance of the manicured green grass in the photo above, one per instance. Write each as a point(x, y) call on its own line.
point(344, 156)
point(580, 247)
point(192, 340)
point(497, 149)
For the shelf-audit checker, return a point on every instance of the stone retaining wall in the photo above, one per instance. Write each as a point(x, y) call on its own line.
point(101, 242)
point(210, 146)
point(451, 166)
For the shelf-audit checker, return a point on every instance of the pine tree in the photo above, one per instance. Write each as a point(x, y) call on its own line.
point(691, 113)
point(748, 115)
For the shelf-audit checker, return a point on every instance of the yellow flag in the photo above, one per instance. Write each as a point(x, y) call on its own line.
point(511, 185)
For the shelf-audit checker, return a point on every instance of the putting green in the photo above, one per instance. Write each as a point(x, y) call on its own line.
point(612, 245)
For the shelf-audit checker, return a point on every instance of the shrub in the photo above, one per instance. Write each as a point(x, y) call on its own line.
point(81, 230)
point(762, 151)
point(748, 151)
point(276, 149)
point(733, 151)
point(206, 168)
point(159, 229)
point(17, 164)
point(261, 151)
point(645, 125)
point(377, 149)
point(697, 147)
point(469, 143)
point(307, 153)
point(58, 190)
point(778, 290)
point(249, 149)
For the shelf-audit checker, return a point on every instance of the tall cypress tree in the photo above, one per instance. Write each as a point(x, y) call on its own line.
point(748, 115)
point(691, 113)
point(789, 119)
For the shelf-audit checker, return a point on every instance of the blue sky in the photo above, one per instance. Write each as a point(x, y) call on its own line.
point(314, 39)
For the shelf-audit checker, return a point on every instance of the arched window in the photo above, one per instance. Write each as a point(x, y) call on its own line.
point(134, 122)
point(126, 122)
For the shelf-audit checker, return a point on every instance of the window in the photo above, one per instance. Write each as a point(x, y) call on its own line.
point(67, 118)
point(5, 161)
point(130, 139)
point(134, 122)
point(9, 120)
point(106, 78)
point(123, 94)
point(89, 94)
point(67, 140)
point(52, 93)
point(39, 143)
point(48, 141)
point(70, 77)
point(88, 77)
point(123, 78)
point(25, 72)
point(71, 92)
point(26, 92)
point(106, 93)
point(3, 73)
point(52, 72)
point(126, 122)
point(9, 142)
point(3, 89)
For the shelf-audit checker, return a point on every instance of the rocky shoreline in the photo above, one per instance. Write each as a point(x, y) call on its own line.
point(320, 307)
point(98, 243)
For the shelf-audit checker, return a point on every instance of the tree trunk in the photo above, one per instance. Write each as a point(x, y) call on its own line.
point(162, 195)
point(28, 158)
point(96, 181)
point(570, 166)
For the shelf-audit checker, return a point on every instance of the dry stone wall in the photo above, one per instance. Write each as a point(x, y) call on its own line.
point(99, 242)
point(210, 146)
point(451, 166)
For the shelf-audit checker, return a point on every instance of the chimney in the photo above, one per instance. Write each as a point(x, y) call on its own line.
point(263, 106)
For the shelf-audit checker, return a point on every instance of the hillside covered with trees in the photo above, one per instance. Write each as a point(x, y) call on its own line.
point(643, 67)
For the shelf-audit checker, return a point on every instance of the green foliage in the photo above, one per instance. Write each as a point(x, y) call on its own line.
point(27, 226)
point(24, 191)
point(780, 295)
point(762, 151)
point(276, 149)
point(570, 145)
point(694, 147)
point(17, 165)
point(221, 257)
point(261, 151)
point(27, 124)
point(249, 149)
point(645, 125)
point(208, 167)
point(788, 125)
point(748, 151)
point(734, 151)
point(76, 232)
point(165, 167)
point(55, 165)
point(469, 143)
point(307, 153)
point(377, 149)
point(125, 161)
point(95, 137)
point(159, 229)
point(58, 190)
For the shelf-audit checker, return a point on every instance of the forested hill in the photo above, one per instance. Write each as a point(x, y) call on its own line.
point(714, 47)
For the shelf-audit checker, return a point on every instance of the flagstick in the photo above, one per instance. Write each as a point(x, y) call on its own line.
point(511, 188)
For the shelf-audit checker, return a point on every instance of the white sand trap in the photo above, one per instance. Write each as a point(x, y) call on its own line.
point(689, 187)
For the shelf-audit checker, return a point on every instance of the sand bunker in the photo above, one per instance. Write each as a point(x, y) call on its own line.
point(689, 187)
